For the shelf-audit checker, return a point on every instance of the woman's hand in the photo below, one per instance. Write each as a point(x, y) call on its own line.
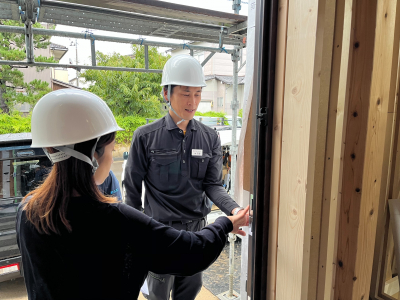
point(241, 219)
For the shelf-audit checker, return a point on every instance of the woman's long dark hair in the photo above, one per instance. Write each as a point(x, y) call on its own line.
point(47, 207)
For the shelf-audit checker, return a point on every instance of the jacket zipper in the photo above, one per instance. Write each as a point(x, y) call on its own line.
point(163, 152)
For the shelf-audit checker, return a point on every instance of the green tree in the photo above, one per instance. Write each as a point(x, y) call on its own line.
point(129, 93)
point(12, 47)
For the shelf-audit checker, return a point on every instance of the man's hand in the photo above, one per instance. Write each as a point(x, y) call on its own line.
point(241, 219)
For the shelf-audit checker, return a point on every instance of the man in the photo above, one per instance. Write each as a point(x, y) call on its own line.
point(180, 162)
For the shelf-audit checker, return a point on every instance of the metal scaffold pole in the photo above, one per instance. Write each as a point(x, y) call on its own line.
point(233, 150)
point(234, 106)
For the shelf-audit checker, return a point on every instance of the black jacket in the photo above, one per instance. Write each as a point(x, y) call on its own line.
point(109, 252)
point(179, 171)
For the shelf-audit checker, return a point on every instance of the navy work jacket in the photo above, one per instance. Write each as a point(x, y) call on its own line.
point(179, 171)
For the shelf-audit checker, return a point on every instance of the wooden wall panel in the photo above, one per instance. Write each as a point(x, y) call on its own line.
point(358, 93)
point(318, 134)
point(334, 148)
point(367, 144)
point(295, 206)
point(277, 147)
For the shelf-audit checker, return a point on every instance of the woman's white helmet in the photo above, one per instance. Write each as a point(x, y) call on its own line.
point(182, 70)
point(66, 117)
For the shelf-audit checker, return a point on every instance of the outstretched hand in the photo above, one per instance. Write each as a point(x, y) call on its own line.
point(241, 219)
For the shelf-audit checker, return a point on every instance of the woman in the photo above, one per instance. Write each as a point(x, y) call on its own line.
point(77, 243)
point(104, 178)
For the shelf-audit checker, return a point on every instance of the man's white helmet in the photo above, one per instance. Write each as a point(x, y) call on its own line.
point(183, 70)
point(66, 117)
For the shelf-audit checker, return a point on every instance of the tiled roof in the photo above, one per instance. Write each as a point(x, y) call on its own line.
point(225, 79)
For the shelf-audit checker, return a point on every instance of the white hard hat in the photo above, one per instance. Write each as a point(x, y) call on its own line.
point(183, 70)
point(70, 116)
point(66, 117)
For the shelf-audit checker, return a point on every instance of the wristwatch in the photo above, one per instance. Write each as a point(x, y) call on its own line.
point(237, 209)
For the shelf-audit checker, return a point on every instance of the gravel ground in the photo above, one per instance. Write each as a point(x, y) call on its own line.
point(216, 277)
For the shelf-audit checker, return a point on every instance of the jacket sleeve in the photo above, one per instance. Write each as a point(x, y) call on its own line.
point(212, 183)
point(135, 170)
point(166, 250)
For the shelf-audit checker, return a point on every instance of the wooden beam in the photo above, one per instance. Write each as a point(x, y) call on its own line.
point(384, 238)
point(277, 146)
point(371, 101)
point(334, 149)
point(318, 132)
point(306, 94)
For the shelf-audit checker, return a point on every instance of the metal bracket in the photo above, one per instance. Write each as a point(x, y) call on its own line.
point(235, 55)
point(222, 33)
point(30, 58)
point(263, 116)
point(29, 10)
point(236, 6)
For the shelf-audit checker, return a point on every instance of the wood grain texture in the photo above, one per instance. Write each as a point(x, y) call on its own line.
point(367, 142)
point(379, 141)
point(384, 238)
point(333, 155)
point(318, 133)
point(295, 207)
point(358, 93)
point(277, 147)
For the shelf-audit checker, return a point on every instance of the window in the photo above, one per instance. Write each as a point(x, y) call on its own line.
point(220, 101)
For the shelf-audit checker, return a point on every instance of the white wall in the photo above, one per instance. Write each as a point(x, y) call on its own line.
point(204, 106)
point(219, 64)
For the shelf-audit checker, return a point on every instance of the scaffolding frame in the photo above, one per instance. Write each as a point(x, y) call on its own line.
point(28, 11)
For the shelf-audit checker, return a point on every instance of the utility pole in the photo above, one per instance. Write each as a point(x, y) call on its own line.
point(76, 62)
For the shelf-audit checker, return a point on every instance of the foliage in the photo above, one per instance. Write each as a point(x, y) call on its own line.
point(240, 114)
point(129, 93)
point(130, 124)
point(14, 123)
point(211, 114)
point(12, 47)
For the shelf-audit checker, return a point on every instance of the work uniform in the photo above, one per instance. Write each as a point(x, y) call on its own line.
point(109, 252)
point(110, 186)
point(180, 172)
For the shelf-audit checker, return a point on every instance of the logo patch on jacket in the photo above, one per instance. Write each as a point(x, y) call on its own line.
point(197, 152)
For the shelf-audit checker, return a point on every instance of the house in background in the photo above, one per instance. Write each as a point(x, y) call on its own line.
point(218, 72)
point(58, 85)
point(48, 74)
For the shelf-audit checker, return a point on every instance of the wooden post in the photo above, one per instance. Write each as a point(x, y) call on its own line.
point(371, 102)
point(318, 135)
point(334, 148)
point(277, 147)
point(306, 97)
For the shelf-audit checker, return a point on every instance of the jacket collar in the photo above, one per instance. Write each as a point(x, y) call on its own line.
point(170, 124)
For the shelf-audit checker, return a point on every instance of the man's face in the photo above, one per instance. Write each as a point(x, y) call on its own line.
point(185, 100)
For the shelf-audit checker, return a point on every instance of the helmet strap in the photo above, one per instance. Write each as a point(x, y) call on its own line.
point(170, 106)
point(67, 151)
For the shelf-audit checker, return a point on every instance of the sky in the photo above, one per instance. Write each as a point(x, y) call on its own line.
point(84, 50)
